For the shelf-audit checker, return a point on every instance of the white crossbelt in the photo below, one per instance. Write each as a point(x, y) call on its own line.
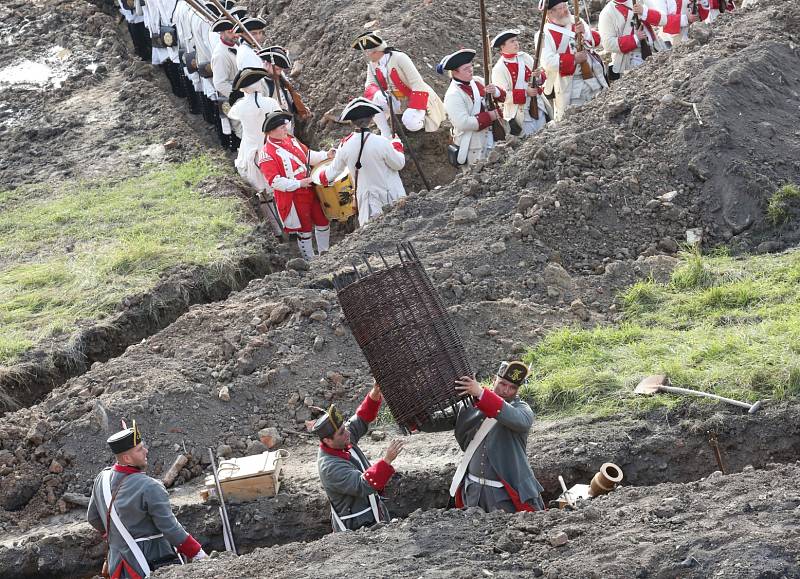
point(126, 536)
point(485, 481)
point(486, 426)
point(150, 538)
point(373, 504)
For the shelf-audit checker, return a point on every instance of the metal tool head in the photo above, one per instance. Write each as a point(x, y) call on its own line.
point(755, 407)
point(652, 384)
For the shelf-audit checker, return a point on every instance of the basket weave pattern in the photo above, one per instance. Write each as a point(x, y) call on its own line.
point(408, 339)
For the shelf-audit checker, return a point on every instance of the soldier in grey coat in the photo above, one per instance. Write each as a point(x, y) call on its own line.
point(494, 473)
point(144, 534)
point(353, 486)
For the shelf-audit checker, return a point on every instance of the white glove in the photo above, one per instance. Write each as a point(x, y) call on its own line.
point(200, 555)
point(413, 119)
point(380, 100)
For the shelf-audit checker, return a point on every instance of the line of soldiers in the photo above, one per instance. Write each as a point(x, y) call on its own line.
point(214, 55)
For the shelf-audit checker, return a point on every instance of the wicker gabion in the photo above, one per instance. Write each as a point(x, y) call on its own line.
point(407, 336)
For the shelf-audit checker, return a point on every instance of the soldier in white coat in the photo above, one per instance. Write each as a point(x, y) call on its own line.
point(223, 67)
point(516, 88)
point(564, 64)
point(373, 160)
point(182, 19)
point(464, 103)
point(249, 108)
point(133, 12)
point(246, 55)
point(622, 40)
point(676, 16)
point(164, 38)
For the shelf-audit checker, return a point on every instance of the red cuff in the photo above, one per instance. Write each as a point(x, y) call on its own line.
point(566, 65)
point(502, 97)
point(398, 146)
point(673, 25)
point(370, 91)
point(323, 178)
point(627, 43)
point(484, 120)
point(519, 96)
point(489, 403)
point(189, 547)
point(653, 17)
point(379, 474)
point(368, 411)
point(418, 100)
point(596, 38)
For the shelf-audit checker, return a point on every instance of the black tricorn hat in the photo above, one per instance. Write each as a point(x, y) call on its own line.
point(359, 108)
point(498, 40)
point(124, 440)
point(211, 7)
point(329, 423)
point(221, 25)
point(456, 59)
point(239, 11)
point(251, 24)
point(247, 76)
point(368, 41)
point(276, 55)
point(515, 372)
point(275, 120)
point(552, 3)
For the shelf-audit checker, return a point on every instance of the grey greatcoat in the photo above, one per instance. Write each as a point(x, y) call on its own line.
point(343, 477)
point(143, 507)
point(503, 450)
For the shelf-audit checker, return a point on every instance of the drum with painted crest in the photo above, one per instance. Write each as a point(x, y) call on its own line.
point(338, 197)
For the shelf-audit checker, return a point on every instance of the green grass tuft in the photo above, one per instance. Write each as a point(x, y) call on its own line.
point(778, 208)
point(74, 253)
point(721, 325)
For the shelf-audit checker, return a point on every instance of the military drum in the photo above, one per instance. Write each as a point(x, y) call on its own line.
point(338, 197)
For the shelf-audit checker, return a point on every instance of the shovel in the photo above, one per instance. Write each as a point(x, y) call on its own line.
point(660, 383)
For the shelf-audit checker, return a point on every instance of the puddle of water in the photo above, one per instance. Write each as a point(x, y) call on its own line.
point(52, 71)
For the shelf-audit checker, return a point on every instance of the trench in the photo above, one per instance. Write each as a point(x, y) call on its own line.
point(43, 369)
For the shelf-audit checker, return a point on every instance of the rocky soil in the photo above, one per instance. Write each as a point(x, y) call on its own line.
point(542, 235)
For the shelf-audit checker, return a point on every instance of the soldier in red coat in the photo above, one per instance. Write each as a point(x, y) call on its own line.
point(286, 164)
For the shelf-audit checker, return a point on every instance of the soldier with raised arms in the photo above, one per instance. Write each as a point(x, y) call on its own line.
point(373, 160)
point(392, 74)
point(512, 74)
point(353, 485)
point(132, 511)
point(494, 473)
point(564, 63)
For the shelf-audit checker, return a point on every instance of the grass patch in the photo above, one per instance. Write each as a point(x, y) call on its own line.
point(723, 325)
point(74, 253)
point(779, 206)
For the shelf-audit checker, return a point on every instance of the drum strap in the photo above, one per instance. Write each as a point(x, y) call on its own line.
point(364, 136)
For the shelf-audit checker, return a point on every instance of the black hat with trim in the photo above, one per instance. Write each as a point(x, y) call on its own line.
point(515, 372)
point(276, 119)
point(211, 7)
point(456, 59)
point(248, 76)
point(251, 24)
point(329, 423)
point(553, 3)
point(124, 440)
point(221, 25)
point(359, 108)
point(239, 11)
point(368, 41)
point(276, 55)
point(505, 35)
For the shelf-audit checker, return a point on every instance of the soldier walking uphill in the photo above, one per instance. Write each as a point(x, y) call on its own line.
point(132, 511)
point(353, 486)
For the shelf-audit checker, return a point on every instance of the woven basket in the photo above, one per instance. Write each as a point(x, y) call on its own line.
point(407, 336)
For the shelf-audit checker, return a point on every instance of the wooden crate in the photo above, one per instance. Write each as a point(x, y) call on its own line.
point(250, 477)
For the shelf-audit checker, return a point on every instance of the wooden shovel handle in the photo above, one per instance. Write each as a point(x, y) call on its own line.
point(676, 390)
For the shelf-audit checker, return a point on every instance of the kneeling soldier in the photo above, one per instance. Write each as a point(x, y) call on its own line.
point(132, 510)
point(352, 485)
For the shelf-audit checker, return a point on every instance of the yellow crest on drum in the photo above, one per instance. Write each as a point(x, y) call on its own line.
point(337, 198)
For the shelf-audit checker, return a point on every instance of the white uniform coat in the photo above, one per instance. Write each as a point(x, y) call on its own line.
point(379, 182)
point(473, 142)
point(223, 64)
point(616, 33)
point(501, 77)
point(200, 32)
point(250, 111)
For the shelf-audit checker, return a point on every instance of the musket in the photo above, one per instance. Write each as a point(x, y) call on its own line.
point(201, 11)
point(299, 105)
point(398, 126)
point(498, 131)
point(586, 68)
point(644, 45)
point(227, 532)
point(533, 108)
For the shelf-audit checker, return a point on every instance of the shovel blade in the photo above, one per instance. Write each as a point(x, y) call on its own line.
point(652, 384)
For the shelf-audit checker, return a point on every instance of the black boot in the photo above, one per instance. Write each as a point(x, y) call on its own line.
point(191, 95)
point(180, 80)
point(234, 142)
point(205, 107)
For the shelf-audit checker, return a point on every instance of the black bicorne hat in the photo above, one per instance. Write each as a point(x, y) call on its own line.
point(276, 55)
point(247, 76)
point(359, 108)
point(456, 59)
point(368, 41)
point(498, 40)
point(221, 25)
point(275, 120)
